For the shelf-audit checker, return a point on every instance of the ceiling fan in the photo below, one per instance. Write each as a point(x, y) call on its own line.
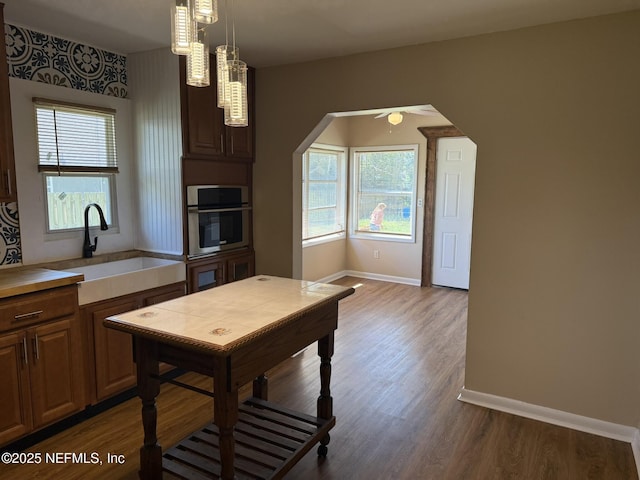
point(394, 115)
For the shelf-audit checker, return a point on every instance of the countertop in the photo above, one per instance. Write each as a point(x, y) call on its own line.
point(222, 318)
point(26, 280)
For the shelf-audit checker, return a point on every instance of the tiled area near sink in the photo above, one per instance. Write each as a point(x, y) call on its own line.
point(113, 279)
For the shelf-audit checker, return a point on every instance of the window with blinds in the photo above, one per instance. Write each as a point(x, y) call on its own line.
point(75, 138)
point(78, 162)
point(384, 183)
point(324, 192)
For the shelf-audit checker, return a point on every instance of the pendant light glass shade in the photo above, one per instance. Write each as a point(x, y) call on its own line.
point(181, 25)
point(198, 60)
point(205, 11)
point(224, 53)
point(236, 112)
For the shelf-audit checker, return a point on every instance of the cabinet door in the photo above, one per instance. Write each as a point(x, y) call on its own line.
point(7, 169)
point(56, 371)
point(115, 370)
point(205, 275)
point(15, 395)
point(239, 140)
point(239, 268)
point(203, 121)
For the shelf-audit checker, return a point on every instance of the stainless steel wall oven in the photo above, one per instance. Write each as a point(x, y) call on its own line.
point(218, 218)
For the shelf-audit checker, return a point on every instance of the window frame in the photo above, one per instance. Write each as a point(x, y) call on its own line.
point(106, 170)
point(341, 195)
point(71, 232)
point(354, 172)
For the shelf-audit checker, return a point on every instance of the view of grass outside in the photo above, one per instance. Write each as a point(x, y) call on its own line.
point(397, 227)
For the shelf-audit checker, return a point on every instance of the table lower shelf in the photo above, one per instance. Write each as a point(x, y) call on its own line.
point(269, 440)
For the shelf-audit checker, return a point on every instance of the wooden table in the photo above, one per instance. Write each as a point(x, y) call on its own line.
point(235, 333)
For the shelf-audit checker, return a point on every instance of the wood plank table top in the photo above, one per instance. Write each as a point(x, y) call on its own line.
point(17, 281)
point(222, 319)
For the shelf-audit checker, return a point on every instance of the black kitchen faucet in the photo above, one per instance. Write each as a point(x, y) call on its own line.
point(87, 248)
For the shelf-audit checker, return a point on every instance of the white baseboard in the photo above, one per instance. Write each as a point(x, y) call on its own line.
point(557, 417)
point(384, 278)
point(332, 277)
point(370, 276)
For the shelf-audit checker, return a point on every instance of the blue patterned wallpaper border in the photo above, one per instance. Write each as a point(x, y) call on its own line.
point(44, 58)
point(10, 250)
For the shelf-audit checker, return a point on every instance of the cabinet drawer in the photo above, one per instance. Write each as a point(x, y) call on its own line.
point(23, 310)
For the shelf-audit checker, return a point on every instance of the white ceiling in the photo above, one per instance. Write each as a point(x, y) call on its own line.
point(274, 32)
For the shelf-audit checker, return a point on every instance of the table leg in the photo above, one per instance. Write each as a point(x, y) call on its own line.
point(325, 401)
point(261, 387)
point(148, 390)
point(225, 416)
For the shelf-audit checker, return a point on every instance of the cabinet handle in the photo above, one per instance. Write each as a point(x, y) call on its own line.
point(221, 142)
point(25, 356)
point(26, 316)
point(232, 150)
point(36, 350)
point(9, 181)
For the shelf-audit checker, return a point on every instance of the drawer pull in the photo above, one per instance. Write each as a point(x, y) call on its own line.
point(26, 316)
point(25, 356)
point(36, 350)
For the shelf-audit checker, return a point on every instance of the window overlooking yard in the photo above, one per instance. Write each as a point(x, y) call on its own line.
point(323, 183)
point(77, 156)
point(383, 194)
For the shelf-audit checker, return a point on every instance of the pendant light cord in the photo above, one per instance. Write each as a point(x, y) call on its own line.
point(226, 23)
point(233, 25)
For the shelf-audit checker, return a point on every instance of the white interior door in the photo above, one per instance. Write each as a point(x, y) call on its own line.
point(455, 179)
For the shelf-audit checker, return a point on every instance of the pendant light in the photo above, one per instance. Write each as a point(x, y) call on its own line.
point(198, 60)
point(235, 111)
point(181, 27)
point(224, 54)
point(189, 19)
point(232, 79)
point(205, 11)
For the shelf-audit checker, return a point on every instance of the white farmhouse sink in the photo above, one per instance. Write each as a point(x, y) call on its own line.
point(113, 279)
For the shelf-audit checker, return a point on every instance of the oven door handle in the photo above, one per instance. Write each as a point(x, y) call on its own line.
point(217, 210)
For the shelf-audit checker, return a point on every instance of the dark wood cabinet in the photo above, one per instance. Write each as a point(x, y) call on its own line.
point(7, 166)
point(217, 270)
point(112, 369)
point(40, 359)
point(204, 133)
point(56, 375)
point(15, 395)
point(240, 267)
point(205, 274)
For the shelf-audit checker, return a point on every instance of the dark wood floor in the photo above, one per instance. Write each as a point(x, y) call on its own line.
point(398, 367)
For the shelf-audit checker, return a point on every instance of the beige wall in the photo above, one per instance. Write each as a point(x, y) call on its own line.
point(555, 272)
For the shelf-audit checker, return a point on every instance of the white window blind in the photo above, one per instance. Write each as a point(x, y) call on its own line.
point(75, 138)
point(323, 211)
